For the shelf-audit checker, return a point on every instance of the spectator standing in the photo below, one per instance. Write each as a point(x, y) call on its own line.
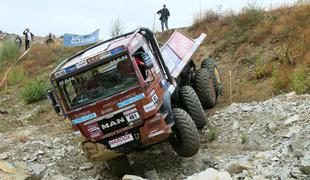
point(49, 39)
point(19, 42)
point(28, 38)
point(164, 15)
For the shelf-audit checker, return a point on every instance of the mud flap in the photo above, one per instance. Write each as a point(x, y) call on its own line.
point(97, 152)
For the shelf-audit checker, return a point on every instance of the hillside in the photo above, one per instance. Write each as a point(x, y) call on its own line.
point(268, 55)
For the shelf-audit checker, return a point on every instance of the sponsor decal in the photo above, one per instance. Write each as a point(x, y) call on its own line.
point(121, 140)
point(60, 73)
point(70, 68)
point(117, 50)
point(149, 107)
point(81, 63)
point(130, 100)
point(133, 117)
point(113, 123)
point(155, 98)
point(84, 118)
point(82, 114)
point(103, 112)
point(94, 130)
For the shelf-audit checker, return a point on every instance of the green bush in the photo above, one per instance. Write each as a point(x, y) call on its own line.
point(8, 51)
point(34, 91)
point(259, 68)
point(300, 81)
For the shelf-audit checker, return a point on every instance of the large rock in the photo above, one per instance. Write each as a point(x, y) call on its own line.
point(210, 174)
point(237, 167)
point(132, 177)
point(21, 170)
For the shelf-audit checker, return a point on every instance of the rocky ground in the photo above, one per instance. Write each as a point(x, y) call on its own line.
point(258, 140)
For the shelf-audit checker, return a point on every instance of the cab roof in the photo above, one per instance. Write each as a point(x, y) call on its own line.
point(96, 52)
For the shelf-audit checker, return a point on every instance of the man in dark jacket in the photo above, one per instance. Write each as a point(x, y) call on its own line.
point(164, 15)
point(28, 38)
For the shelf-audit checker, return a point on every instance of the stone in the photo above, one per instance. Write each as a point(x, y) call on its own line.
point(4, 155)
point(86, 166)
point(37, 169)
point(132, 177)
point(3, 111)
point(17, 170)
point(290, 120)
point(152, 174)
point(305, 164)
point(210, 174)
point(7, 167)
point(236, 167)
point(272, 127)
point(292, 131)
point(235, 126)
point(246, 108)
point(298, 154)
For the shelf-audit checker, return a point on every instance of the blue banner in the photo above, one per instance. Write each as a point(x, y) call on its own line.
point(81, 40)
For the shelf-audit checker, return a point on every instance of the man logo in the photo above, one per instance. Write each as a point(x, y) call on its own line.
point(113, 123)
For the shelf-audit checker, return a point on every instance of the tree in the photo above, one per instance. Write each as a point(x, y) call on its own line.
point(117, 27)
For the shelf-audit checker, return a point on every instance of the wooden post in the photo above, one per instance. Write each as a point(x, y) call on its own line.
point(6, 85)
point(230, 87)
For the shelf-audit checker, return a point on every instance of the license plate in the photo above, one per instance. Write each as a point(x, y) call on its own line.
point(121, 140)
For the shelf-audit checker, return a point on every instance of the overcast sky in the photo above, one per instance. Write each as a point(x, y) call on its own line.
point(83, 17)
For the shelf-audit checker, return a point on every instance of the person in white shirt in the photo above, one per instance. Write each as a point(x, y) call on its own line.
point(28, 38)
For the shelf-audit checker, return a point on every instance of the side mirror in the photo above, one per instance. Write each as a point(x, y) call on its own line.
point(52, 100)
point(147, 60)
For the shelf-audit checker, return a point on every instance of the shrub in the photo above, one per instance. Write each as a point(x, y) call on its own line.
point(281, 79)
point(211, 134)
point(16, 76)
point(8, 51)
point(259, 68)
point(244, 138)
point(250, 16)
point(34, 91)
point(300, 81)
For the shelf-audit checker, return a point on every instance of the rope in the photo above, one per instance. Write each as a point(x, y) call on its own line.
point(7, 72)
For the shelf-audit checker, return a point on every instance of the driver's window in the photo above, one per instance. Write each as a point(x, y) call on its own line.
point(138, 57)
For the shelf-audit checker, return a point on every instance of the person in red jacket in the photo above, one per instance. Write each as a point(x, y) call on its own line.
point(141, 66)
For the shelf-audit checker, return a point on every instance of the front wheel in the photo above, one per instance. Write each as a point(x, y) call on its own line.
point(185, 138)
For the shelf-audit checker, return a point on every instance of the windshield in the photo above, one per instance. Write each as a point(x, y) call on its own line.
point(99, 82)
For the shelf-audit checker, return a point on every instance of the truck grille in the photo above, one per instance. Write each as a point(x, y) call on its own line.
point(112, 124)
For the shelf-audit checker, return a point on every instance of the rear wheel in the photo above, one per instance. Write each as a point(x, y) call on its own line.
point(119, 166)
point(204, 87)
point(193, 106)
point(185, 138)
point(210, 64)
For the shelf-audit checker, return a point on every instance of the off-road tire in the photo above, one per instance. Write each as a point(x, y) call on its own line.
point(119, 166)
point(204, 87)
point(185, 138)
point(192, 106)
point(211, 65)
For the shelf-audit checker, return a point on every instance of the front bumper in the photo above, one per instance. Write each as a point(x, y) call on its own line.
point(153, 131)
